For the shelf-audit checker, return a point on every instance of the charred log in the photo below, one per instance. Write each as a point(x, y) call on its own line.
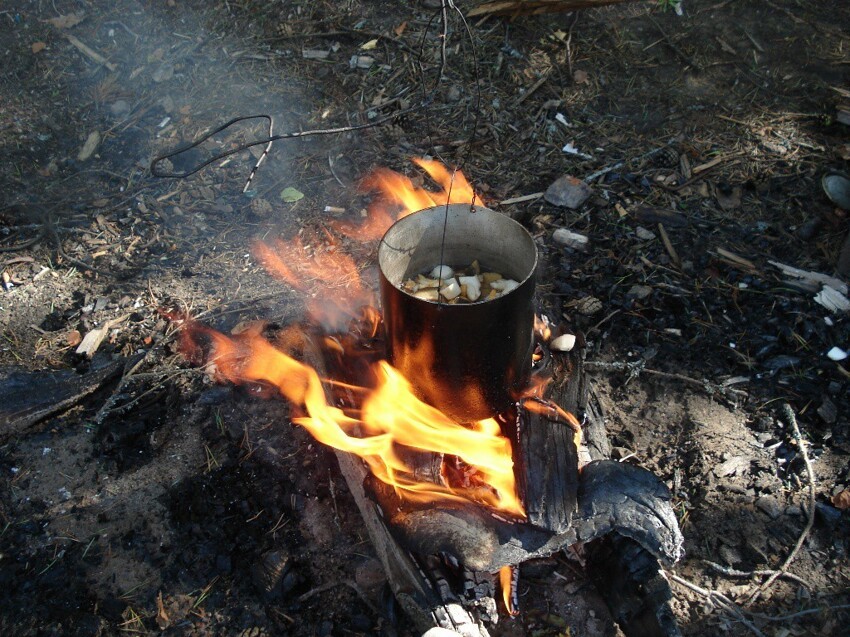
point(612, 497)
point(631, 582)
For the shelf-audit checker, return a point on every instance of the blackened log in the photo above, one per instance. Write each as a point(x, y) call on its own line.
point(612, 497)
point(546, 469)
point(630, 580)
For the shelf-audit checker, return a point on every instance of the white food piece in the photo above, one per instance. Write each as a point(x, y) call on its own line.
point(451, 290)
point(563, 343)
point(443, 272)
point(837, 354)
point(428, 295)
point(423, 283)
point(504, 285)
point(473, 287)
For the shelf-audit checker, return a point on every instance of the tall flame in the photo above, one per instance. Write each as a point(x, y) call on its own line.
point(391, 420)
point(390, 426)
point(399, 197)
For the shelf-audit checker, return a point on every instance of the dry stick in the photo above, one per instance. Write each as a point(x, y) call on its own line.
point(787, 414)
point(732, 572)
point(718, 598)
point(635, 369)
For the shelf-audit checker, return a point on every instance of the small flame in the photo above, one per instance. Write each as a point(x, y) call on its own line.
point(554, 412)
point(507, 582)
point(391, 419)
point(399, 197)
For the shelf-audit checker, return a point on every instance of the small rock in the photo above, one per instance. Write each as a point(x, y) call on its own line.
point(570, 239)
point(769, 505)
point(736, 465)
point(453, 94)
point(643, 234)
point(316, 522)
point(828, 411)
point(568, 192)
point(163, 73)
point(370, 575)
point(588, 306)
point(639, 292)
point(837, 354)
point(730, 555)
point(828, 514)
point(92, 142)
point(119, 108)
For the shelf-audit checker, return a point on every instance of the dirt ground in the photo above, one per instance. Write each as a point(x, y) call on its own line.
point(159, 501)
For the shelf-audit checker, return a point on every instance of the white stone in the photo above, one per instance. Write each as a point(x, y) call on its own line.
point(837, 354)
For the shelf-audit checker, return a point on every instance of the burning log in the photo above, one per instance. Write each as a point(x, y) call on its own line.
point(627, 506)
point(460, 467)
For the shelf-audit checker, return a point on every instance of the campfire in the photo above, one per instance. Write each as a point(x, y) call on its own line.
point(454, 398)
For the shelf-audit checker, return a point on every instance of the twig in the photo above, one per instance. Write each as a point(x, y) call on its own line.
point(787, 414)
point(731, 572)
point(718, 598)
point(272, 138)
point(802, 613)
point(638, 367)
point(90, 53)
point(331, 585)
point(668, 245)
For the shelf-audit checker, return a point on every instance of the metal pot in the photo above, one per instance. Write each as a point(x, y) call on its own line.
point(469, 360)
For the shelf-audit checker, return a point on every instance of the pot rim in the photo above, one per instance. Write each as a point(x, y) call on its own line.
point(382, 244)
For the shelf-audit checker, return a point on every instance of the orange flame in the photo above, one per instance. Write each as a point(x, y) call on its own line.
point(391, 420)
point(399, 197)
point(554, 412)
point(506, 583)
point(316, 271)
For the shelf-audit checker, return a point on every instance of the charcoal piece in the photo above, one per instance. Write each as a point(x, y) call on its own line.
point(27, 398)
point(629, 579)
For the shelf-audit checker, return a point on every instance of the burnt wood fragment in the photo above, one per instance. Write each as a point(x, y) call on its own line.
point(630, 580)
point(28, 398)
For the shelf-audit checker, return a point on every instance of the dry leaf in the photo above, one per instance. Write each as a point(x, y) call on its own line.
point(580, 77)
point(74, 338)
point(371, 44)
point(66, 21)
point(842, 500)
point(38, 47)
point(162, 619)
point(400, 28)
